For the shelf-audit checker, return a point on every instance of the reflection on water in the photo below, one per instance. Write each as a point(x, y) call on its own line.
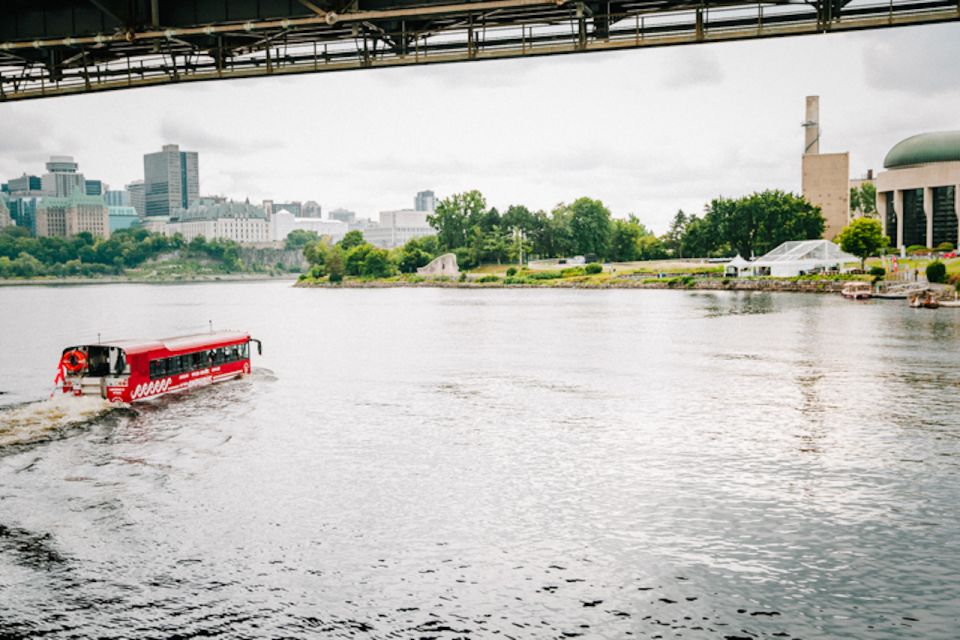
point(471, 464)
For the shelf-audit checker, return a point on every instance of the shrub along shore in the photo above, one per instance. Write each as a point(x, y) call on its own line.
point(605, 280)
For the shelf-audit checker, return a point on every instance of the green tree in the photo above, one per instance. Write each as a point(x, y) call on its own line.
point(354, 258)
point(455, 216)
point(590, 227)
point(518, 216)
point(351, 239)
point(651, 248)
point(316, 252)
point(673, 239)
point(863, 200)
point(376, 264)
point(936, 271)
point(300, 238)
point(755, 224)
point(412, 256)
point(26, 266)
point(863, 237)
point(520, 246)
point(701, 239)
point(625, 239)
point(335, 264)
point(496, 245)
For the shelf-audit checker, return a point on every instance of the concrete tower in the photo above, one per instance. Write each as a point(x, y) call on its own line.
point(826, 176)
point(811, 125)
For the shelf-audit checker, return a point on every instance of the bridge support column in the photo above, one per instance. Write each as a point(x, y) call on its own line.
point(928, 212)
point(898, 211)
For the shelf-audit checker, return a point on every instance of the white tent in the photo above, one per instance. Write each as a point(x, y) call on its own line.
point(799, 257)
point(736, 266)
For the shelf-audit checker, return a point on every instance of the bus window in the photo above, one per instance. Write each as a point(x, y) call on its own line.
point(244, 350)
point(118, 362)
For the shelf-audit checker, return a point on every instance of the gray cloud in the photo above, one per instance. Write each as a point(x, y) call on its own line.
point(693, 66)
point(921, 61)
point(190, 134)
point(27, 141)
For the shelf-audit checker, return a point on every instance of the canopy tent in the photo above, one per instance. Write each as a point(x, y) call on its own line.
point(799, 257)
point(736, 266)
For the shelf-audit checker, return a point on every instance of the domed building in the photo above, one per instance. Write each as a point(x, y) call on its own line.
point(918, 196)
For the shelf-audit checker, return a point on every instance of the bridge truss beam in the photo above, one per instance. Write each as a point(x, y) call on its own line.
point(326, 40)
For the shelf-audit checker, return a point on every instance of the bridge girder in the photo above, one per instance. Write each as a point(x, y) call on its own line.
point(59, 47)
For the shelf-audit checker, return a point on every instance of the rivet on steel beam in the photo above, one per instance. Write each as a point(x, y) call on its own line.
point(332, 18)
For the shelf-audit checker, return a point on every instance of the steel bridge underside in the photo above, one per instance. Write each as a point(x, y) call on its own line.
point(63, 47)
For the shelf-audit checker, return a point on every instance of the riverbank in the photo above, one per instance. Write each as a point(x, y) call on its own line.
point(685, 283)
point(184, 279)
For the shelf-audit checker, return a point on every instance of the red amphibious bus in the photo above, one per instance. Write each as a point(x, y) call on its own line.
point(131, 370)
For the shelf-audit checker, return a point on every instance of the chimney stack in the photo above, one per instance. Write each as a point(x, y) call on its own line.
point(812, 126)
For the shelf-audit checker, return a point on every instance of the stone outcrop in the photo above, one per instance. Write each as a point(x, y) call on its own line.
point(445, 265)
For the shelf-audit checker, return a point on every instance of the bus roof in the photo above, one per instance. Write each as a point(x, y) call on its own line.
point(180, 343)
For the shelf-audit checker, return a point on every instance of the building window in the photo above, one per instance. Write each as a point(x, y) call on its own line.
point(944, 216)
point(914, 220)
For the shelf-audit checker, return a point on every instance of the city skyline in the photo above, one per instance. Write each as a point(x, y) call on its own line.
point(647, 132)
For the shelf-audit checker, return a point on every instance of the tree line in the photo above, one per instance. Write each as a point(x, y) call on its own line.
point(478, 234)
point(750, 225)
point(354, 256)
point(85, 255)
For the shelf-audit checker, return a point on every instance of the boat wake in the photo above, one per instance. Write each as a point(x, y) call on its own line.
point(46, 419)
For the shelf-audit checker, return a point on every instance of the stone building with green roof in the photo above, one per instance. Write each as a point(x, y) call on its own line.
point(227, 220)
point(76, 213)
point(918, 196)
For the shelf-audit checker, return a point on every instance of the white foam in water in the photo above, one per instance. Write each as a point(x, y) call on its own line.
point(36, 420)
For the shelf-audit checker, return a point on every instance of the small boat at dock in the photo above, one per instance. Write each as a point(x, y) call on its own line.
point(857, 290)
point(132, 370)
point(926, 300)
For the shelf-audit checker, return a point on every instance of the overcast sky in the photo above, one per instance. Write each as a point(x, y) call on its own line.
point(646, 131)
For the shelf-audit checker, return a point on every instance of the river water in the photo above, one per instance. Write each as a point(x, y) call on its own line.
point(424, 463)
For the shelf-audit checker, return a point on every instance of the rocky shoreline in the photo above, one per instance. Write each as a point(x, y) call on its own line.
point(694, 284)
point(194, 279)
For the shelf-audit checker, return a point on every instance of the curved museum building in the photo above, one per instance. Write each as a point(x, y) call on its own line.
point(918, 196)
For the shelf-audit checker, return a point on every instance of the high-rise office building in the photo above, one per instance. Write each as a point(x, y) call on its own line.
point(23, 211)
point(424, 201)
point(343, 215)
point(117, 198)
point(62, 178)
point(312, 209)
point(95, 187)
point(25, 187)
point(171, 180)
point(293, 207)
point(137, 197)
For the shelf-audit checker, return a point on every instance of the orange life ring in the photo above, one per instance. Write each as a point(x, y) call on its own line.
point(74, 360)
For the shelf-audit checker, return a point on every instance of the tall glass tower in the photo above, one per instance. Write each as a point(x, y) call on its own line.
point(171, 180)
